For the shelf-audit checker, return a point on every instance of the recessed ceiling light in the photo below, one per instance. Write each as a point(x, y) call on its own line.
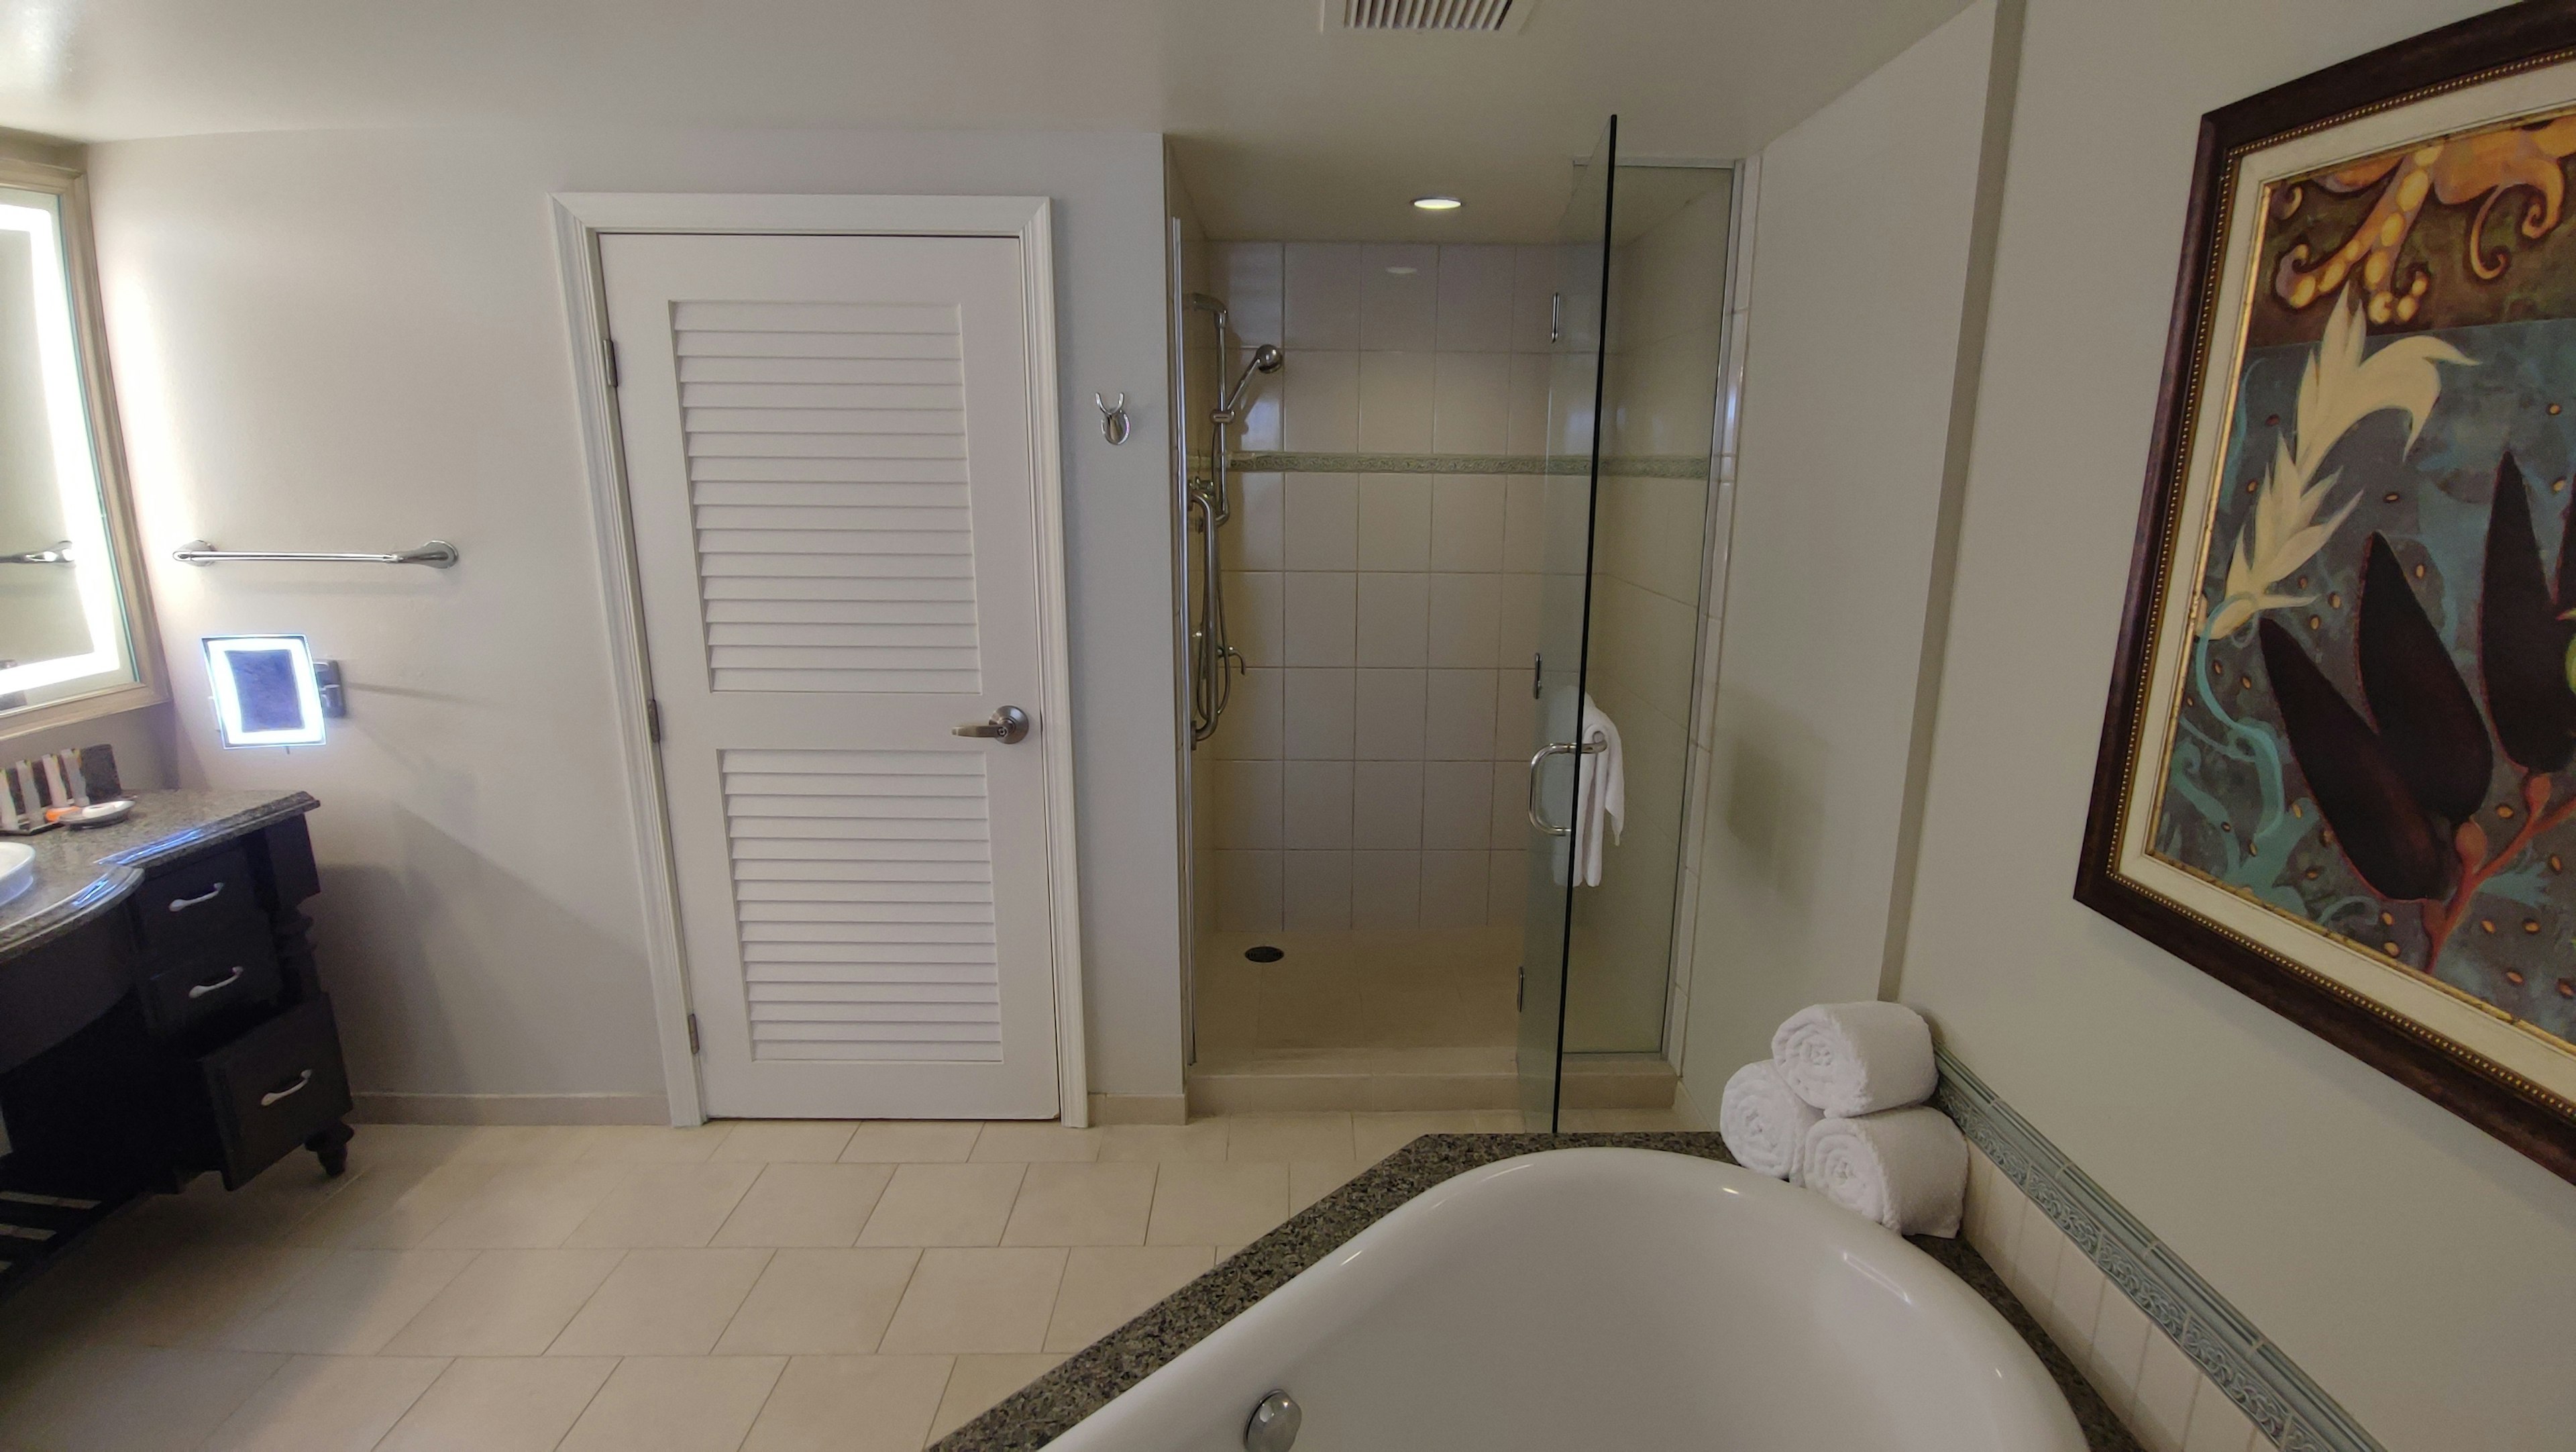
point(1437, 204)
point(1402, 271)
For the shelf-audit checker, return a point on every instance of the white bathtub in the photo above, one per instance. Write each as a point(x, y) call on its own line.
point(1609, 1299)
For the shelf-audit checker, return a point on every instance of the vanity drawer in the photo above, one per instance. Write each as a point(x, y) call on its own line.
point(238, 969)
point(178, 910)
point(275, 1087)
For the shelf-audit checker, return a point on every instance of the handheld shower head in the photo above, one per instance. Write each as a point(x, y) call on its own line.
point(1265, 359)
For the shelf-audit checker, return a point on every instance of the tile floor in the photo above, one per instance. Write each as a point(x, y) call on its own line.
point(745, 1286)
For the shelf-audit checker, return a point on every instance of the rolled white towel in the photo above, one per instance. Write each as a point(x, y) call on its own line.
point(1907, 1169)
point(1763, 1122)
point(1856, 1058)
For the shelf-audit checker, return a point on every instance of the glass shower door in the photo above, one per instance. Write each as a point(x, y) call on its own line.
point(1567, 487)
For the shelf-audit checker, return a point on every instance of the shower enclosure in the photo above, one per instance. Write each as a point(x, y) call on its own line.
point(1479, 492)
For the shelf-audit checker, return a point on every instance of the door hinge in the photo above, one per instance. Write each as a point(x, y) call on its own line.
point(653, 721)
point(693, 1033)
point(608, 346)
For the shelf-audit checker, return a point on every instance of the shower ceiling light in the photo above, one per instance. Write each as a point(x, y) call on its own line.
point(1438, 204)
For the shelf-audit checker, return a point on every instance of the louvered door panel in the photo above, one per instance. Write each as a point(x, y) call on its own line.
point(829, 487)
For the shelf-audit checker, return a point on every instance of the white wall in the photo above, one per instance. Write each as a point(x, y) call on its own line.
point(2423, 1273)
point(356, 340)
point(1862, 222)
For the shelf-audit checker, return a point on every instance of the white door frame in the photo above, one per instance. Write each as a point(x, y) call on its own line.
point(580, 218)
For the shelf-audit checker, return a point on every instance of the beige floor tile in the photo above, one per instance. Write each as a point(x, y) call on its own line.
point(785, 1141)
point(806, 1204)
point(1082, 1204)
point(349, 1305)
point(1264, 1138)
point(395, 1215)
point(653, 1144)
point(520, 1144)
point(1035, 1140)
point(507, 1303)
point(1226, 1204)
point(944, 1205)
point(527, 1207)
point(1204, 1140)
point(157, 1297)
point(369, 1191)
point(1311, 1180)
point(500, 1404)
point(662, 1303)
point(980, 1381)
point(1375, 1136)
point(676, 1404)
point(977, 1300)
point(666, 1205)
point(851, 1404)
point(327, 1404)
point(377, 1143)
point(1107, 1286)
point(145, 1399)
point(820, 1302)
point(911, 1141)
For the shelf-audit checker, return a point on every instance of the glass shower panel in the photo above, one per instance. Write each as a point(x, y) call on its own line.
point(1556, 674)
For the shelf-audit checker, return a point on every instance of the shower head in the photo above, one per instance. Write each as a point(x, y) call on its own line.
point(1267, 358)
point(1264, 359)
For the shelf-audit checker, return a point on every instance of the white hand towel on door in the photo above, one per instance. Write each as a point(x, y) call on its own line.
point(1907, 1169)
point(1600, 792)
point(1857, 1058)
point(1763, 1122)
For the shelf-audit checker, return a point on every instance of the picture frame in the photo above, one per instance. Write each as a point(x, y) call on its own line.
point(2338, 761)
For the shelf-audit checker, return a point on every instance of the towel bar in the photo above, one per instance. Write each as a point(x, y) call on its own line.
point(438, 554)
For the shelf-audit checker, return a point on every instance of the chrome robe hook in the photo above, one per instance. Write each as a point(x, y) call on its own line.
point(1113, 418)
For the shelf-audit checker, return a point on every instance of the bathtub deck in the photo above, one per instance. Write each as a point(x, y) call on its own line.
point(1047, 1407)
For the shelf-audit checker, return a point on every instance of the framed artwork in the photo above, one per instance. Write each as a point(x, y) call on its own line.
point(2338, 769)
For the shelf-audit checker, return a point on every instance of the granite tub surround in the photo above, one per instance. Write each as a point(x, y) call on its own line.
point(1087, 1381)
point(83, 871)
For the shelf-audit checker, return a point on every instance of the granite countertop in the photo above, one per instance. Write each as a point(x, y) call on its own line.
point(1048, 1407)
point(83, 871)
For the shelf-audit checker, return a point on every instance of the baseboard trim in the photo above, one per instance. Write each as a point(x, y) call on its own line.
point(2285, 1404)
point(390, 1108)
point(1140, 1109)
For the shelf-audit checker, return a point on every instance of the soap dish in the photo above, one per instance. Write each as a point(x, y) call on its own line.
point(99, 814)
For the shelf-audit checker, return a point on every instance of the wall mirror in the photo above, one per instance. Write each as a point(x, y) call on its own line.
point(74, 640)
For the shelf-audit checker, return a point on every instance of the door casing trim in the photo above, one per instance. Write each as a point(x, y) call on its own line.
point(580, 219)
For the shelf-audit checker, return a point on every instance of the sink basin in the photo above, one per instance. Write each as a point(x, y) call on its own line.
point(17, 869)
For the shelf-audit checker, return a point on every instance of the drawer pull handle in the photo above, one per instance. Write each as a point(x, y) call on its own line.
point(272, 1097)
point(202, 989)
point(182, 904)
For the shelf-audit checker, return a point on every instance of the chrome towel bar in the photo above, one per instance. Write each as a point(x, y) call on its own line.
point(438, 554)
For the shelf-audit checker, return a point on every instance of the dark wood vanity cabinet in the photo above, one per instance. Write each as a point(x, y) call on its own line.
point(180, 1031)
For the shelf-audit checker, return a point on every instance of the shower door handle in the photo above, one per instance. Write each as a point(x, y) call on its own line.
point(1557, 748)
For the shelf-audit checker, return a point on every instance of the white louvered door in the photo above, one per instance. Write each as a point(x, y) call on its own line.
point(830, 467)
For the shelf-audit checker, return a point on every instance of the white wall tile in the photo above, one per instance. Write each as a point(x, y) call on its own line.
point(1458, 716)
point(1516, 621)
point(1399, 296)
point(2167, 1380)
point(2036, 1252)
point(1471, 398)
point(1457, 805)
point(1394, 522)
point(1321, 618)
point(1389, 716)
point(1248, 278)
point(1247, 892)
point(1511, 802)
point(1316, 811)
point(1386, 889)
point(1534, 279)
point(2118, 1349)
point(1467, 512)
point(1525, 428)
point(1515, 714)
point(2217, 1423)
point(1320, 402)
point(1396, 397)
point(1322, 296)
point(1507, 886)
point(1317, 715)
point(1453, 888)
point(1323, 522)
point(1386, 805)
point(1475, 299)
point(1254, 724)
point(1525, 525)
point(1255, 538)
point(1317, 891)
point(1465, 618)
point(1247, 803)
point(1255, 615)
point(1393, 620)
point(1259, 413)
point(2075, 1301)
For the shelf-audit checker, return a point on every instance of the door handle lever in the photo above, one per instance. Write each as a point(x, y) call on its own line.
point(1593, 747)
point(1010, 726)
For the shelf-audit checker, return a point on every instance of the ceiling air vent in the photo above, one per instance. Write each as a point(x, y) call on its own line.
point(1454, 17)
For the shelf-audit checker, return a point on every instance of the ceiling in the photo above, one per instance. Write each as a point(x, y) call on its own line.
point(1280, 130)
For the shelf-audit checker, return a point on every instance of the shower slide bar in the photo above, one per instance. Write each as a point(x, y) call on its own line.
point(438, 554)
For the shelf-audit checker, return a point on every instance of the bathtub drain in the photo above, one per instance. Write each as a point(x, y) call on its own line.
point(1273, 1427)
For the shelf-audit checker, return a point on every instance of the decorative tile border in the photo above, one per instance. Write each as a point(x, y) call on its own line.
point(2282, 1401)
point(1646, 466)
